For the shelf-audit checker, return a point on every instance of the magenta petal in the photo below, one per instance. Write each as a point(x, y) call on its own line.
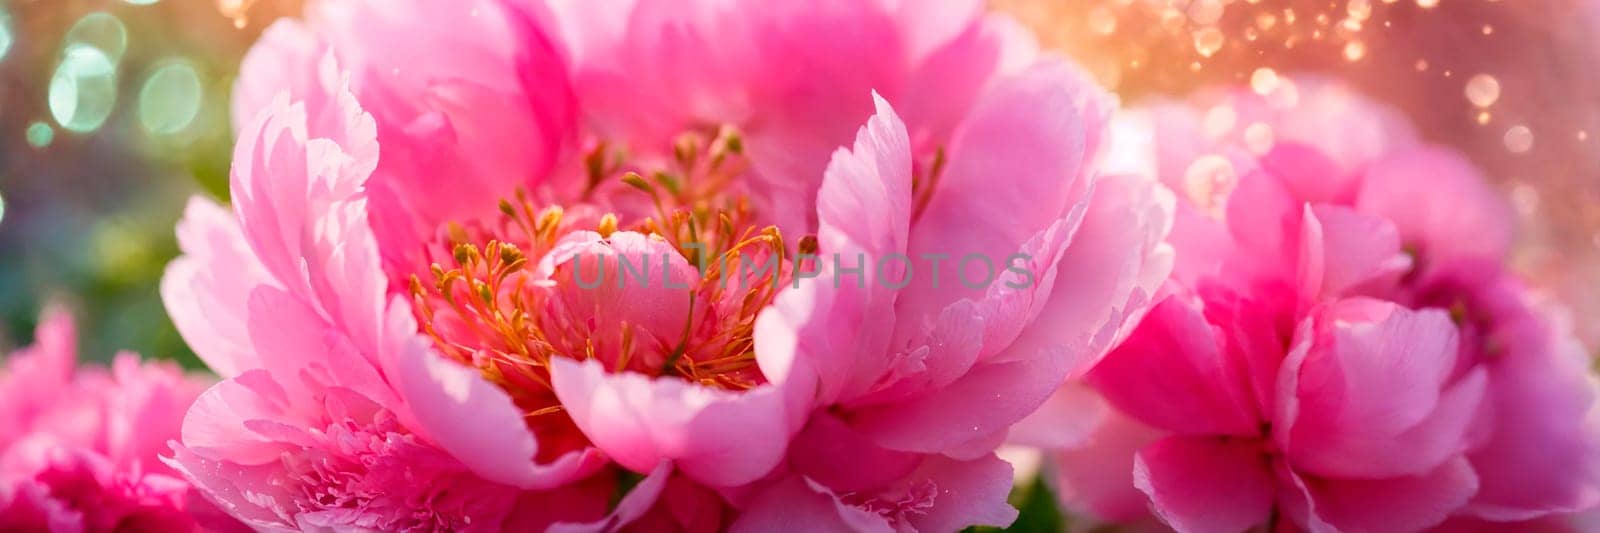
point(1206, 483)
point(1371, 397)
point(635, 504)
point(1396, 504)
point(1172, 374)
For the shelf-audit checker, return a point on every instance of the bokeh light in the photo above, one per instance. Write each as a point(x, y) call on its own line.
point(6, 36)
point(83, 90)
point(170, 98)
point(40, 134)
point(100, 30)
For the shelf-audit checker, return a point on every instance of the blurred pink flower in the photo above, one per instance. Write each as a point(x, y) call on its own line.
point(1346, 303)
point(79, 447)
point(403, 306)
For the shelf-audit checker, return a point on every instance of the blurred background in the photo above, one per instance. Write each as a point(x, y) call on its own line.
point(114, 112)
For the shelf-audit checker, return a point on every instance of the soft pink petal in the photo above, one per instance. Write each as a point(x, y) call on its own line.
point(830, 452)
point(297, 201)
point(215, 426)
point(244, 492)
point(795, 504)
point(971, 493)
point(989, 399)
point(1543, 452)
point(864, 203)
point(207, 290)
point(1393, 504)
point(1440, 203)
point(37, 377)
point(283, 59)
point(1370, 398)
point(477, 423)
point(1342, 249)
point(1066, 420)
point(1095, 476)
point(1109, 273)
point(1309, 175)
point(718, 437)
point(1206, 483)
point(625, 279)
point(995, 166)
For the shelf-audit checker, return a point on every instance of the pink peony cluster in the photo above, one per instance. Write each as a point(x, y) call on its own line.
point(1340, 346)
point(409, 300)
point(787, 265)
point(79, 448)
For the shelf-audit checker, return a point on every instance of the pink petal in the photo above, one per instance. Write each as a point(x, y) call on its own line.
point(971, 493)
point(717, 437)
point(864, 203)
point(1206, 483)
point(1543, 452)
point(838, 330)
point(1171, 374)
point(635, 504)
point(830, 452)
point(207, 290)
point(1342, 249)
point(478, 424)
point(216, 425)
point(284, 58)
point(246, 493)
point(1394, 504)
point(297, 204)
point(1440, 203)
point(1370, 397)
point(1109, 273)
point(1309, 175)
point(626, 278)
point(795, 504)
point(995, 166)
point(987, 401)
point(1095, 476)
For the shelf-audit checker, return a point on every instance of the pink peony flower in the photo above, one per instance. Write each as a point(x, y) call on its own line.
point(79, 448)
point(540, 251)
point(1340, 345)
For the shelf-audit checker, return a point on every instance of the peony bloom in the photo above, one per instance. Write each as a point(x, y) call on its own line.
point(1340, 346)
point(79, 447)
point(543, 253)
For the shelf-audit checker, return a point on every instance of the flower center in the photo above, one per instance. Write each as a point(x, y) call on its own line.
point(509, 294)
